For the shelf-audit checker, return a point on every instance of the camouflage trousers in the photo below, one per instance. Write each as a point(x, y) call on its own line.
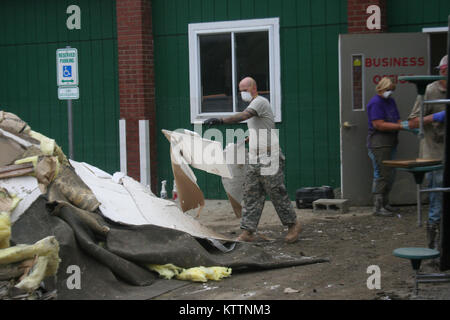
point(256, 187)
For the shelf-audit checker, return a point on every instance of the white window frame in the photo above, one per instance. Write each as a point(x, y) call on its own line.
point(435, 30)
point(196, 29)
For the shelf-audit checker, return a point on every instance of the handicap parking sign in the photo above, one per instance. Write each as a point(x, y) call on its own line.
point(67, 71)
point(67, 67)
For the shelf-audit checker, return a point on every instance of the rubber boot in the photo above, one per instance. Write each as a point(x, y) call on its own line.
point(433, 241)
point(438, 237)
point(433, 235)
point(386, 204)
point(379, 210)
point(430, 236)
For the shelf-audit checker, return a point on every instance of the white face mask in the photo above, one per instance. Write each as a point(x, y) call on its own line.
point(246, 96)
point(387, 94)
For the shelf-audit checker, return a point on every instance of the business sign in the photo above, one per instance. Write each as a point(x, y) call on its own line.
point(67, 67)
point(68, 93)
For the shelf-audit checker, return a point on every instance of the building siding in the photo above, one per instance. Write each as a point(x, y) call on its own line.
point(413, 15)
point(30, 34)
point(309, 131)
point(32, 30)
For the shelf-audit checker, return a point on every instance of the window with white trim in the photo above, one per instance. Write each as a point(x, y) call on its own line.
point(221, 54)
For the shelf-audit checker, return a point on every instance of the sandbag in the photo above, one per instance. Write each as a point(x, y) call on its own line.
point(74, 190)
point(7, 201)
point(10, 151)
point(46, 169)
point(12, 123)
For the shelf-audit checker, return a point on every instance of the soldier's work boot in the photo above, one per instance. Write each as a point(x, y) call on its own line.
point(293, 232)
point(246, 236)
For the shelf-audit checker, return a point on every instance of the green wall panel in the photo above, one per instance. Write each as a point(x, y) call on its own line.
point(309, 132)
point(31, 32)
point(413, 15)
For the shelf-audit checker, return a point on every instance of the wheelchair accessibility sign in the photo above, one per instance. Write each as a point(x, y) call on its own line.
point(67, 67)
point(67, 71)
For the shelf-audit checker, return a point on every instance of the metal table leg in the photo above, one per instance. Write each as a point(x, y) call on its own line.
point(416, 283)
point(421, 134)
point(419, 207)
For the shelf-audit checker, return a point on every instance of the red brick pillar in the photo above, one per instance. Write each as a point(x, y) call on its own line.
point(136, 79)
point(357, 15)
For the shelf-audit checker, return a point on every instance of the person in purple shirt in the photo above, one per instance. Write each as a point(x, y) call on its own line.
point(382, 140)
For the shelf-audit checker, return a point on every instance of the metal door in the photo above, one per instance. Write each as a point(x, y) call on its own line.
point(363, 60)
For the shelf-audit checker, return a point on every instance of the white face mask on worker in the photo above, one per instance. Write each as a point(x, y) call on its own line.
point(387, 94)
point(246, 96)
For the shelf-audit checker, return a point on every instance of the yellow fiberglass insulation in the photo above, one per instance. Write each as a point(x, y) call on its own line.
point(32, 281)
point(49, 147)
point(48, 246)
point(47, 253)
point(5, 229)
point(166, 271)
point(203, 274)
point(47, 144)
point(197, 274)
point(32, 159)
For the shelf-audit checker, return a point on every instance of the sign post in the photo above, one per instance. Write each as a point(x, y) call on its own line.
point(67, 81)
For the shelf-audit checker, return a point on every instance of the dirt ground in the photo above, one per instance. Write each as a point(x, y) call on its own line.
point(352, 241)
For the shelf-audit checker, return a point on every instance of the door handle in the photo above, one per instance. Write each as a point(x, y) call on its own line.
point(348, 125)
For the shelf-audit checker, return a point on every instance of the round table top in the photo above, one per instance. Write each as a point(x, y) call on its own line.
point(430, 78)
point(421, 81)
point(424, 168)
point(416, 253)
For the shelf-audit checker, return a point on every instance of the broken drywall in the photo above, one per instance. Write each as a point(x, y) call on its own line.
point(130, 202)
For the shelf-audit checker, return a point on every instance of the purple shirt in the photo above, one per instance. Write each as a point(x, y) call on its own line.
point(380, 108)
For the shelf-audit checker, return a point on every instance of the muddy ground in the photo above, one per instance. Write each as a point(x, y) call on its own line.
point(352, 241)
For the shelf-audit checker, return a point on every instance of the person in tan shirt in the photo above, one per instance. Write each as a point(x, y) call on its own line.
point(432, 147)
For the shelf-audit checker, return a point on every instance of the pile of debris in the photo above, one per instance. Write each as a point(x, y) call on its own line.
point(72, 231)
point(23, 267)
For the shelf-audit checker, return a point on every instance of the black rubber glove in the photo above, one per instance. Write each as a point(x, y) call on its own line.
point(213, 121)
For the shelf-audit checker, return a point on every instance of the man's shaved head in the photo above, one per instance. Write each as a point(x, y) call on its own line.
point(248, 82)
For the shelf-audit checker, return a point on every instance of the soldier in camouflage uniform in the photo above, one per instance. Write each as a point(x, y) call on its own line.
point(260, 178)
point(255, 189)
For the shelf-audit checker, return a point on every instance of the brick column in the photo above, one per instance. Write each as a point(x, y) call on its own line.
point(136, 78)
point(357, 15)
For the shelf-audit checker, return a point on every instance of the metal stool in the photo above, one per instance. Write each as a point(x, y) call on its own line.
point(419, 173)
point(416, 255)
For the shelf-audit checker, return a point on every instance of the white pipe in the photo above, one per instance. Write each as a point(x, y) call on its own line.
point(144, 151)
point(123, 145)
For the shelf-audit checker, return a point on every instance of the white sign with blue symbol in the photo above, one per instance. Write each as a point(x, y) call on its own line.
point(67, 67)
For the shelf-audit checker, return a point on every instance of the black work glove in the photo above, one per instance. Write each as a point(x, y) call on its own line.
point(213, 121)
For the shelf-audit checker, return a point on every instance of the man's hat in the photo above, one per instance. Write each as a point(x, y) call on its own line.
point(443, 63)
